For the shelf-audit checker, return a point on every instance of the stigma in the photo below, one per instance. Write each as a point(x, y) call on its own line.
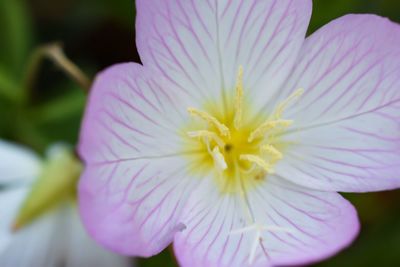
point(240, 150)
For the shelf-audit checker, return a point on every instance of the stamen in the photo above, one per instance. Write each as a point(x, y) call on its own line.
point(271, 150)
point(266, 126)
point(211, 120)
point(208, 135)
point(259, 228)
point(239, 100)
point(253, 250)
point(262, 228)
point(283, 105)
point(257, 160)
point(219, 159)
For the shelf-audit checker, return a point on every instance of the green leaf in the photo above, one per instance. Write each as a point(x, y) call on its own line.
point(164, 259)
point(9, 89)
point(70, 104)
point(15, 35)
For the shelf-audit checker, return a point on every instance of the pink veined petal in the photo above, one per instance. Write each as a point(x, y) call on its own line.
point(17, 164)
point(347, 135)
point(135, 181)
point(131, 114)
point(137, 212)
point(209, 218)
point(199, 45)
point(319, 224)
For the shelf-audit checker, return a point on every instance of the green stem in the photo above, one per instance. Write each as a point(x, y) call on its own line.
point(54, 53)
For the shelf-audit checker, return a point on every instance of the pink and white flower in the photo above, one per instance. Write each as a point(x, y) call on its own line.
point(233, 137)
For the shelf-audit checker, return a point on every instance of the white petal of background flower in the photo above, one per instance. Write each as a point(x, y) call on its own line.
point(55, 239)
point(17, 164)
point(10, 202)
point(80, 249)
point(35, 245)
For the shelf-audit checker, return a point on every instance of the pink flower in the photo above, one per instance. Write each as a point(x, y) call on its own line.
point(233, 137)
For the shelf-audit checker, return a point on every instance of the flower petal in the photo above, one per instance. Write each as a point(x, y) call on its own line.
point(348, 133)
point(135, 180)
point(48, 242)
point(131, 114)
point(199, 45)
point(17, 164)
point(134, 207)
point(209, 218)
point(318, 225)
point(36, 245)
point(83, 251)
point(10, 201)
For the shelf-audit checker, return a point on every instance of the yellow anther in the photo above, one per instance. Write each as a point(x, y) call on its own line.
point(219, 159)
point(257, 160)
point(211, 120)
point(208, 136)
point(272, 151)
point(283, 105)
point(239, 100)
point(267, 126)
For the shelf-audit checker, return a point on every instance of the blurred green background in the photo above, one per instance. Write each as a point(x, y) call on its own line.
point(40, 105)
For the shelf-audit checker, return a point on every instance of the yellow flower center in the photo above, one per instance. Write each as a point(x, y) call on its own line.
point(240, 150)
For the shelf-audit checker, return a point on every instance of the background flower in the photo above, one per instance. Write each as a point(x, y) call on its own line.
point(57, 236)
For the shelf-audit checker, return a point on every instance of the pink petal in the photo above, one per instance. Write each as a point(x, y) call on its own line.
point(348, 132)
point(135, 180)
point(321, 224)
point(199, 45)
point(128, 110)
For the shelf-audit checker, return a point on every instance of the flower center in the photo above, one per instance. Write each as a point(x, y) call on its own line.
point(240, 151)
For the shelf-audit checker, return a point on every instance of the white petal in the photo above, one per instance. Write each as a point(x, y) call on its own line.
point(131, 114)
point(210, 220)
point(347, 135)
point(313, 225)
point(319, 224)
point(17, 163)
point(81, 250)
point(56, 239)
point(199, 45)
point(36, 245)
point(10, 201)
point(134, 207)
point(136, 179)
